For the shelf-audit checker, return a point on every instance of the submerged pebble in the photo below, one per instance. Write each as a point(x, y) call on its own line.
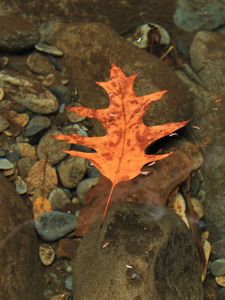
point(54, 225)
point(5, 164)
point(48, 49)
point(217, 267)
point(46, 254)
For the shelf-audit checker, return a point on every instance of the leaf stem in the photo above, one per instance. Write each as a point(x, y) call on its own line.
point(107, 204)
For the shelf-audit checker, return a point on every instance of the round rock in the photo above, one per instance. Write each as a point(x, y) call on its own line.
point(54, 225)
point(17, 34)
point(37, 124)
point(51, 148)
point(217, 268)
point(71, 171)
point(39, 64)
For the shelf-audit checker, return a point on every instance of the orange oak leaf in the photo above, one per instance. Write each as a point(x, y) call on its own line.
point(120, 154)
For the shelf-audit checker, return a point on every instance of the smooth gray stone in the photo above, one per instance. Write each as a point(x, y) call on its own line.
point(54, 225)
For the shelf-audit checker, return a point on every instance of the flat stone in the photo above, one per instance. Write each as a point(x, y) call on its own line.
point(39, 64)
point(17, 34)
point(48, 49)
point(37, 124)
point(5, 164)
point(63, 94)
point(37, 101)
point(217, 267)
point(29, 93)
point(4, 124)
point(54, 225)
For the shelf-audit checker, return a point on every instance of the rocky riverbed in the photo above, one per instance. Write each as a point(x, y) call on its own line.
point(51, 60)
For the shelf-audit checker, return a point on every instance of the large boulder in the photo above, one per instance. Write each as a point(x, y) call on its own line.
point(122, 16)
point(21, 270)
point(141, 252)
point(90, 49)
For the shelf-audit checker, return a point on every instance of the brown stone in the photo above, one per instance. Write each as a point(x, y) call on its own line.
point(21, 272)
point(141, 252)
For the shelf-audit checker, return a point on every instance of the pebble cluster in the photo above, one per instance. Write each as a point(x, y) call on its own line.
point(33, 97)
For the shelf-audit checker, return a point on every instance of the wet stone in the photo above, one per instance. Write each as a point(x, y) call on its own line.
point(13, 156)
point(63, 94)
point(49, 49)
point(24, 166)
point(74, 117)
point(37, 124)
point(84, 186)
point(36, 99)
point(54, 225)
point(217, 267)
point(71, 171)
point(26, 150)
point(58, 198)
point(4, 124)
point(69, 283)
point(218, 249)
point(39, 64)
point(221, 294)
point(18, 119)
point(21, 186)
point(5, 164)
point(17, 34)
point(92, 172)
point(51, 148)
point(49, 80)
